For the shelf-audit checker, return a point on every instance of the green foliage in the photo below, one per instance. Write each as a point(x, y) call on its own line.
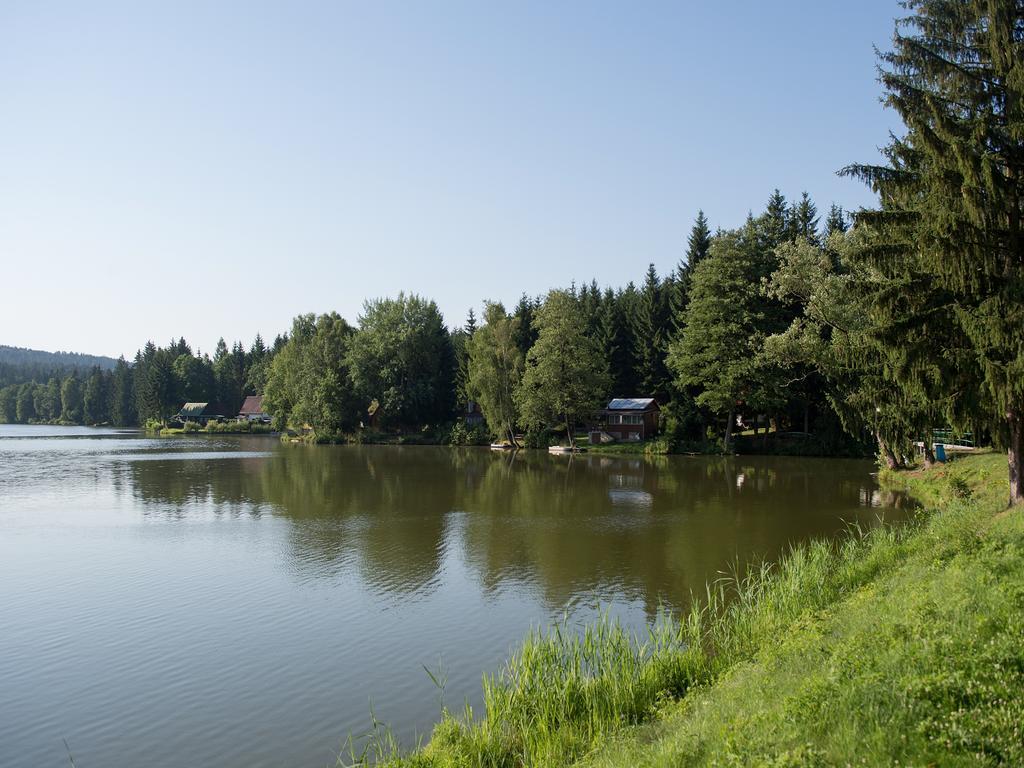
point(565, 379)
point(614, 335)
point(724, 326)
point(402, 357)
point(96, 398)
point(538, 438)
point(948, 233)
point(25, 410)
point(309, 381)
point(9, 404)
point(195, 379)
point(460, 434)
point(240, 427)
point(650, 319)
point(496, 370)
point(122, 393)
point(698, 245)
point(837, 335)
point(71, 400)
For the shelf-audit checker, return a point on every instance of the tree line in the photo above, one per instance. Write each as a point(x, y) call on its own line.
point(152, 387)
point(548, 363)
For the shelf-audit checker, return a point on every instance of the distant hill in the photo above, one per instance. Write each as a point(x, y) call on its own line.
point(18, 356)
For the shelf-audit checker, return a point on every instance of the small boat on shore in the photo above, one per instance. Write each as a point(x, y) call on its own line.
point(502, 446)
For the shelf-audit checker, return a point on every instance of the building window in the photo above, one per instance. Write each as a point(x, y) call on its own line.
point(625, 418)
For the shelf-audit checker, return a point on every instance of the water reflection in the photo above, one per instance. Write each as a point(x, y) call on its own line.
point(160, 597)
point(648, 529)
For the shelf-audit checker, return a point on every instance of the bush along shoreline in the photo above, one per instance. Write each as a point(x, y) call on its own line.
point(898, 645)
point(210, 428)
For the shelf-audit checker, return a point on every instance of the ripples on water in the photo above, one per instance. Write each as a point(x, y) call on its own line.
point(228, 601)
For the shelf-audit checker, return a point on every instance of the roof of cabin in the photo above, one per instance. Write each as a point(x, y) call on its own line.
point(632, 404)
point(253, 404)
point(191, 409)
point(195, 410)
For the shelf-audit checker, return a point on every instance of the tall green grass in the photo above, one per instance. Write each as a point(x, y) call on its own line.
point(564, 693)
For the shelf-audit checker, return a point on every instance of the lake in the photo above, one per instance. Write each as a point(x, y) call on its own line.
point(236, 601)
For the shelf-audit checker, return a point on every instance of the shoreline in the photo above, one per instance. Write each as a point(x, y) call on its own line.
point(874, 619)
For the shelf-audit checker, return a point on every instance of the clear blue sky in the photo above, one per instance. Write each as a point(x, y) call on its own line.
point(207, 169)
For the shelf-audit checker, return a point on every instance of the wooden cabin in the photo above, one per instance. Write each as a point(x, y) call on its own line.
point(631, 418)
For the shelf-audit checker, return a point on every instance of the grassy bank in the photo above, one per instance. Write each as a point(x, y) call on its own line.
point(897, 646)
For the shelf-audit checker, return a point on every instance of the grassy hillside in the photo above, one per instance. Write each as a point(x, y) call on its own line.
point(894, 647)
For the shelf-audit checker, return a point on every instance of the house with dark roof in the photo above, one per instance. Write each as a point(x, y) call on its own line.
point(201, 413)
point(252, 410)
point(631, 418)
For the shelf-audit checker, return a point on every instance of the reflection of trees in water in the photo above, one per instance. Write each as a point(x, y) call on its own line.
point(385, 510)
point(181, 488)
point(649, 529)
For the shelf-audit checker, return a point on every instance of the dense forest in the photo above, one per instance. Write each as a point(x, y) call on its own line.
point(881, 326)
point(78, 390)
point(546, 364)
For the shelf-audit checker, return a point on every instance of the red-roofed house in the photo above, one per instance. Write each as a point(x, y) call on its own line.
point(252, 410)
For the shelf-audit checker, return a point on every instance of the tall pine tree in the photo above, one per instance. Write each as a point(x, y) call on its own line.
point(954, 188)
point(697, 246)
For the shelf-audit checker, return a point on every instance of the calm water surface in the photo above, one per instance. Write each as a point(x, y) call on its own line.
point(232, 601)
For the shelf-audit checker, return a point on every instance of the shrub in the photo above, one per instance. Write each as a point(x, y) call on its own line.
point(537, 438)
point(460, 434)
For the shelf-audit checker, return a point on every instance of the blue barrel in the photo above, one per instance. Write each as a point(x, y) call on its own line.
point(940, 452)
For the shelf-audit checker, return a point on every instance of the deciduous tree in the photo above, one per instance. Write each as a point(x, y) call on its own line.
point(565, 379)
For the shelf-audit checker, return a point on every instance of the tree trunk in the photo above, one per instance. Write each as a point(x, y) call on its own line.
point(767, 431)
point(1015, 455)
point(929, 454)
point(886, 453)
point(569, 434)
point(728, 431)
point(807, 417)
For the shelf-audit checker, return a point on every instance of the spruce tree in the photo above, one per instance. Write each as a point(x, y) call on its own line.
point(775, 222)
point(835, 223)
point(96, 398)
point(122, 407)
point(614, 340)
point(650, 338)
point(953, 195)
point(526, 332)
point(804, 220)
point(697, 246)
point(629, 301)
